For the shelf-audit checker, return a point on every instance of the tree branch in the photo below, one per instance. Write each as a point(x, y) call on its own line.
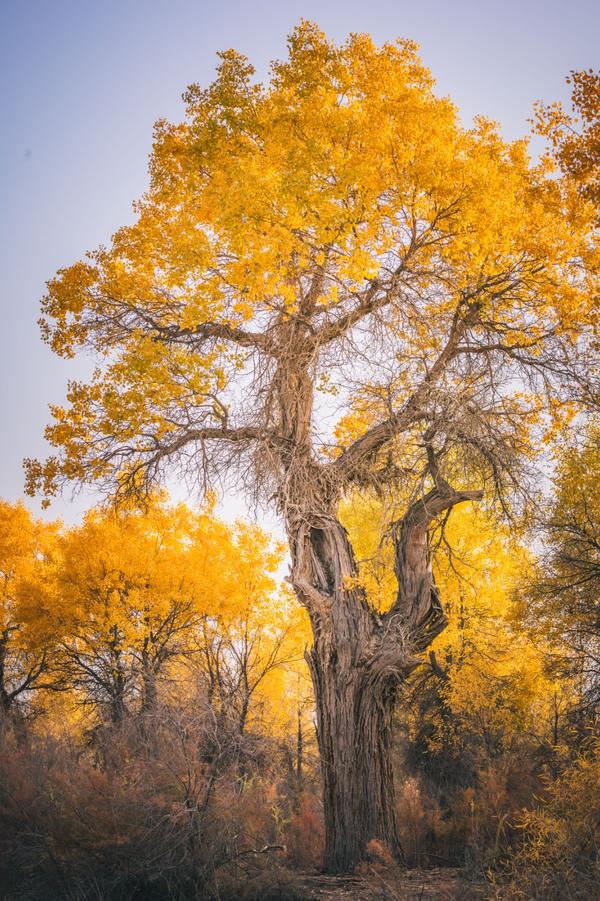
point(418, 605)
point(371, 301)
point(206, 330)
point(365, 447)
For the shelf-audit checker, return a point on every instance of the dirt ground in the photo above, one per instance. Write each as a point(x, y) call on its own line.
point(439, 884)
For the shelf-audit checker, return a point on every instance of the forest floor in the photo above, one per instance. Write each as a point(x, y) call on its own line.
point(438, 884)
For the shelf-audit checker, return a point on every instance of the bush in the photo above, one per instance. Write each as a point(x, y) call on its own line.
point(305, 835)
point(559, 858)
point(137, 821)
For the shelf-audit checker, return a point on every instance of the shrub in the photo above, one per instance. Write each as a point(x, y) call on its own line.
point(305, 834)
point(136, 821)
point(559, 858)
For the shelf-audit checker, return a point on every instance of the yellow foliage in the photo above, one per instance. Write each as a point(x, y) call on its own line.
point(28, 629)
point(345, 166)
point(128, 596)
point(496, 683)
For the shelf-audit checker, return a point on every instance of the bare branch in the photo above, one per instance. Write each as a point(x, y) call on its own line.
point(204, 331)
point(364, 448)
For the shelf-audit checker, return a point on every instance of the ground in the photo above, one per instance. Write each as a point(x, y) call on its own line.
point(438, 884)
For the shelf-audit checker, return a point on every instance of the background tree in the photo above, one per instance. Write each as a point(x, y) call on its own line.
point(575, 134)
point(121, 594)
point(135, 592)
point(495, 683)
point(239, 660)
point(563, 602)
point(332, 284)
point(483, 717)
point(28, 632)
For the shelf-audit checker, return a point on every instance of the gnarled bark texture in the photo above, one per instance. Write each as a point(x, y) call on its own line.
point(358, 660)
point(359, 657)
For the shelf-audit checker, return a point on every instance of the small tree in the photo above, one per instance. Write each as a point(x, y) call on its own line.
point(332, 285)
point(127, 607)
point(562, 601)
point(133, 590)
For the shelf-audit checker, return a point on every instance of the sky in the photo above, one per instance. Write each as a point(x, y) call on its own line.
point(83, 82)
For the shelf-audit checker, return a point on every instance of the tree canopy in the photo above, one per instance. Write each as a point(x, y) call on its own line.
point(337, 225)
point(575, 134)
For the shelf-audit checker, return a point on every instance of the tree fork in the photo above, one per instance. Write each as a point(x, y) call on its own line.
point(358, 661)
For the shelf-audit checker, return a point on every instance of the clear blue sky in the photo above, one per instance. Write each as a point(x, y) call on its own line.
point(83, 82)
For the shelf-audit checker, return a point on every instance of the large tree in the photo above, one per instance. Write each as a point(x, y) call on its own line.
point(332, 285)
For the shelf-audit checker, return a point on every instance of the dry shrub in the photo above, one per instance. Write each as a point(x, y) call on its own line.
point(466, 826)
point(379, 856)
point(379, 865)
point(271, 883)
point(560, 854)
point(422, 829)
point(137, 819)
point(305, 834)
point(488, 814)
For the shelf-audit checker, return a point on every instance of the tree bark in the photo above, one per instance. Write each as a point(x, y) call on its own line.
point(354, 729)
point(354, 696)
point(118, 680)
point(11, 719)
point(358, 661)
point(299, 755)
point(149, 686)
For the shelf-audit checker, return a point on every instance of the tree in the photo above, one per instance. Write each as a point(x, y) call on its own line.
point(485, 683)
point(562, 601)
point(331, 284)
point(241, 657)
point(575, 135)
point(27, 630)
point(135, 590)
point(487, 703)
point(121, 594)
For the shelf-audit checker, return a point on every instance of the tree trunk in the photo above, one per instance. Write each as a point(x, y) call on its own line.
point(149, 686)
point(118, 682)
point(354, 728)
point(358, 660)
point(299, 756)
point(5, 698)
point(355, 685)
point(11, 718)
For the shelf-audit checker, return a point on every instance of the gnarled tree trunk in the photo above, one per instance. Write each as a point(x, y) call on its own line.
point(354, 720)
point(358, 660)
point(359, 656)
